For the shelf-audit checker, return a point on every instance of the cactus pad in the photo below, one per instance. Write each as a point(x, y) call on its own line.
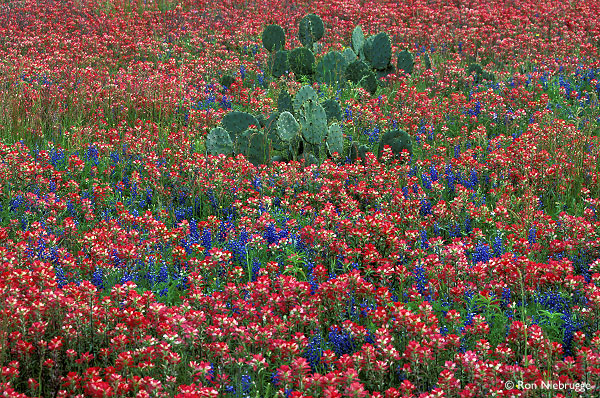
point(405, 62)
point(237, 122)
point(284, 102)
point(330, 68)
point(310, 30)
point(219, 142)
point(278, 64)
point(302, 61)
point(356, 70)
point(314, 122)
point(333, 110)
point(273, 38)
point(397, 140)
point(358, 39)
point(349, 54)
point(254, 146)
point(305, 93)
point(378, 50)
point(287, 126)
point(369, 82)
point(335, 139)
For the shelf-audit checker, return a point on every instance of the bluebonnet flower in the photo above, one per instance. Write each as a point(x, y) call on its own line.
point(246, 384)
point(98, 278)
point(424, 240)
point(531, 235)
point(341, 342)
point(61, 280)
point(468, 227)
point(433, 173)
point(498, 246)
point(506, 297)
point(163, 274)
point(426, 182)
point(482, 253)
point(255, 269)
point(425, 208)
point(270, 234)
point(314, 352)
point(421, 279)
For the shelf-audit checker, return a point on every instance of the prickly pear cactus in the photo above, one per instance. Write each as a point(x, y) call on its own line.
point(356, 70)
point(254, 146)
point(308, 158)
point(279, 64)
point(358, 152)
point(310, 30)
point(333, 110)
point(335, 139)
point(479, 74)
point(427, 61)
point(273, 38)
point(314, 122)
point(287, 126)
point(330, 69)
point(302, 61)
point(383, 73)
point(272, 135)
point(349, 54)
point(397, 140)
point(284, 102)
point(305, 93)
point(378, 50)
point(261, 120)
point(227, 80)
point(405, 62)
point(237, 122)
point(369, 82)
point(219, 142)
point(358, 40)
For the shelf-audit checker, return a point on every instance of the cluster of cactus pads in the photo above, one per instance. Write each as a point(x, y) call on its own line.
point(299, 60)
point(368, 59)
point(304, 128)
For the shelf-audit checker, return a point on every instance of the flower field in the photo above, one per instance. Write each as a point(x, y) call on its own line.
point(299, 198)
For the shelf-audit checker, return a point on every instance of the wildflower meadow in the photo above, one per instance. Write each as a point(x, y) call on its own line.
point(299, 198)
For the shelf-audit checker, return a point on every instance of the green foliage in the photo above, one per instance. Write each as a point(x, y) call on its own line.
point(236, 122)
point(273, 38)
point(427, 61)
point(302, 61)
point(304, 94)
point(310, 30)
point(219, 142)
point(479, 75)
point(405, 62)
point(335, 139)
point(398, 140)
point(356, 70)
point(330, 69)
point(333, 110)
point(314, 122)
point(279, 64)
point(358, 40)
point(378, 50)
point(287, 126)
